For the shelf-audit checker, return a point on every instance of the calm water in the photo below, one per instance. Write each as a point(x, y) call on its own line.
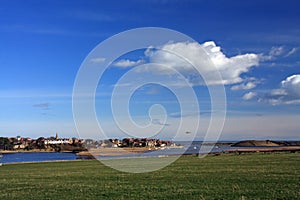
point(36, 157)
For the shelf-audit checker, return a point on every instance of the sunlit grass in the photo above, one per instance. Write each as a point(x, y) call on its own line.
point(250, 176)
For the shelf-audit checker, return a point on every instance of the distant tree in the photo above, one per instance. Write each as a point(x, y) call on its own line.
point(27, 148)
point(5, 144)
point(40, 143)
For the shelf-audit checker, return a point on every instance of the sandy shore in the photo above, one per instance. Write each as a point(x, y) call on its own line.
point(113, 151)
point(7, 152)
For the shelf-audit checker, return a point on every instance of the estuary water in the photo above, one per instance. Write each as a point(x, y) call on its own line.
point(36, 157)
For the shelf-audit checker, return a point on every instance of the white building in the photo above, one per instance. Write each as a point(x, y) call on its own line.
point(59, 141)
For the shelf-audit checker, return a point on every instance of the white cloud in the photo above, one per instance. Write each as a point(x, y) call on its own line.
point(288, 93)
point(127, 63)
point(230, 68)
point(97, 60)
point(249, 95)
point(292, 85)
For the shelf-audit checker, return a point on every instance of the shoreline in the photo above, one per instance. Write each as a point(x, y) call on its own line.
point(33, 151)
point(46, 161)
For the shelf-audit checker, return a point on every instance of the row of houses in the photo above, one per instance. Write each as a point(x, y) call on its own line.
point(20, 143)
point(137, 142)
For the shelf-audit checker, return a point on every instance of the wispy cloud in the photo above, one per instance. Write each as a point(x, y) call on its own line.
point(43, 106)
point(127, 63)
point(97, 60)
point(189, 114)
point(277, 52)
point(152, 91)
point(158, 122)
point(291, 52)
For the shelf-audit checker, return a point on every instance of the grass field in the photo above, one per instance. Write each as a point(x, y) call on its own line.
point(250, 176)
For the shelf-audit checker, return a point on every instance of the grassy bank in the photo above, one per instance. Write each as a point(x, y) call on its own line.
point(250, 176)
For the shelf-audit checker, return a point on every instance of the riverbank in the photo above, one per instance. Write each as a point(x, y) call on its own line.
point(7, 152)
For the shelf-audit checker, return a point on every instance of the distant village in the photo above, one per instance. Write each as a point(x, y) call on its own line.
point(47, 144)
point(127, 142)
point(74, 144)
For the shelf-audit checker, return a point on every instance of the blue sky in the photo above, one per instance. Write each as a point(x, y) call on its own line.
point(255, 45)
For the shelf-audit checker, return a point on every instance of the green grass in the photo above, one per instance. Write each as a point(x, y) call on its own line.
point(250, 176)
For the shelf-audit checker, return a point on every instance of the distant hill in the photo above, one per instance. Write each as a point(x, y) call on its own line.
point(265, 143)
point(256, 143)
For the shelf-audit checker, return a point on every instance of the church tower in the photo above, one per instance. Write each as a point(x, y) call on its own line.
point(56, 136)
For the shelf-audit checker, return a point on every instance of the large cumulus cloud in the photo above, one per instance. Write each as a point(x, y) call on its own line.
point(288, 93)
point(173, 55)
